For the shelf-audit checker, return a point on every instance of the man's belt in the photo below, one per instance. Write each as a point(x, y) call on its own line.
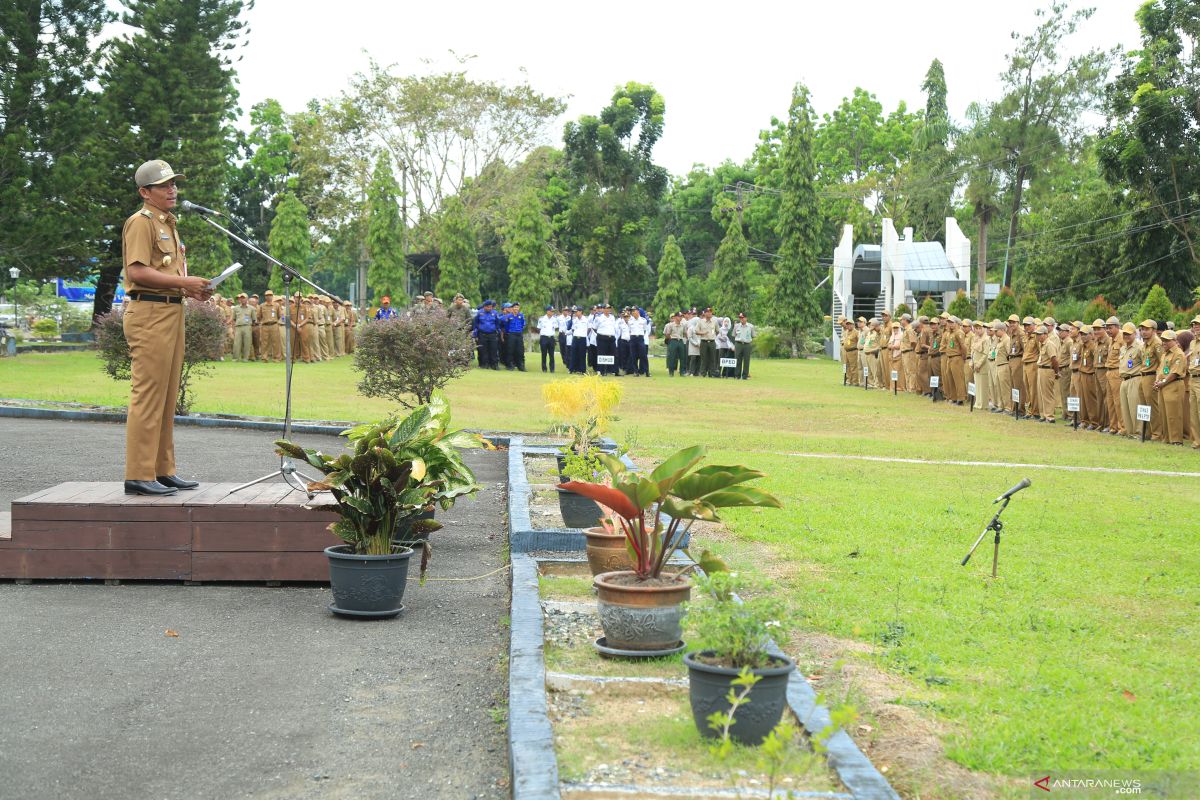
point(1129, 377)
point(909, 350)
point(268, 323)
point(156, 298)
point(1045, 366)
point(935, 355)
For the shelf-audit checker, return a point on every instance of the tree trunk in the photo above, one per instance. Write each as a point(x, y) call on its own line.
point(106, 289)
point(981, 260)
point(1018, 190)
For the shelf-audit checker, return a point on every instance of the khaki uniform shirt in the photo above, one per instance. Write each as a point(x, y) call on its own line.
point(852, 339)
point(1087, 358)
point(268, 313)
point(243, 315)
point(1151, 355)
point(1194, 362)
point(706, 328)
point(150, 238)
point(1032, 351)
point(1174, 362)
point(1114, 354)
point(1074, 352)
point(1130, 359)
point(674, 330)
point(1049, 352)
point(1001, 347)
point(908, 339)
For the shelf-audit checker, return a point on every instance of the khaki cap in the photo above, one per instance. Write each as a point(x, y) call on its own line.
point(1113, 321)
point(155, 172)
point(1099, 323)
point(954, 319)
point(997, 325)
point(922, 318)
point(1078, 323)
point(862, 319)
point(1085, 329)
point(1049, 321)
point(241, 294)
point(944, 315)
point(1168, 336)
point(1128, 328)
point(1015, 318)
point(1041, 329)
point(895, 324)
point(1027, 321)
point(1037, 321)
point(1196, 320)
point(906, 316)
point(966, 320)
point(268, 292)
point(1149, 323)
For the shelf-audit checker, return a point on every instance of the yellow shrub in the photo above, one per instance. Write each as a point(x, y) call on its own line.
point(583, 405)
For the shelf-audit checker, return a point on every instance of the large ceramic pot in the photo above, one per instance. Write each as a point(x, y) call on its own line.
point(641, 615)
point(708, 690)
point(607, 552)
point(367, 586)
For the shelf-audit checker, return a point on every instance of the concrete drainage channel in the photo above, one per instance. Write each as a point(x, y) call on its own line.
point(535, 769)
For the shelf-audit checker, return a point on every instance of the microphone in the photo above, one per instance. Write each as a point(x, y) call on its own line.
point(1012, 491)
point(188, 205)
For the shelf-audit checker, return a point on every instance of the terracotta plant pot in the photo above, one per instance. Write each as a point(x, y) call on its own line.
point(607, 552)
point(641, 616)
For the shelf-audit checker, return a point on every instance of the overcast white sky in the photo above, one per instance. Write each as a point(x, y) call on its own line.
point(723, 68)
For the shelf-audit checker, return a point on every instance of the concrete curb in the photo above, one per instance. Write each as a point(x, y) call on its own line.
point(530, 738)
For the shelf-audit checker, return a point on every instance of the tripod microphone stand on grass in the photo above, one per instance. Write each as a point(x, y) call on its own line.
point(996, 525)
point(287, 467)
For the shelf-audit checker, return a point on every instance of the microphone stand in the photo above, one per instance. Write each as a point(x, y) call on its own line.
point(287, 466)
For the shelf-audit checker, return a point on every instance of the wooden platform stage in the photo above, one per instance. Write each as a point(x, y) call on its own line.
point(94, 530)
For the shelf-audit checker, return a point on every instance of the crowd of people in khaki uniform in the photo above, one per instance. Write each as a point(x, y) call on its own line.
point(1111, 368)
point(321, 327)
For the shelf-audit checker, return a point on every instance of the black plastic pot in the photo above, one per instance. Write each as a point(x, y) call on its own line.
point(708, 690)
point(578, 511)
point(367, 586)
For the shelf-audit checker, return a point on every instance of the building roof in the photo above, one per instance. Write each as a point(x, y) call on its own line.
point(927, 269)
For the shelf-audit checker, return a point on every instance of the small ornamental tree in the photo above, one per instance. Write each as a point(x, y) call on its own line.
point(901, 310)
point(1003, 306)
point(1157, 306)
point(961, 306)
point(407, 359)
point(929, 308)
point(1029, 306)
point(1099, 308)
point(203, 343)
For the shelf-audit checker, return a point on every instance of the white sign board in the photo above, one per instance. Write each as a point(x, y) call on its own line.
point(728, 362)
point(609, 360)
point(971, 389)
point(866, 372)
point(895, 376)
point(845, 367)
point(934, 381)
point(1072, 404)
point(1016, 395)
point(1143, 413)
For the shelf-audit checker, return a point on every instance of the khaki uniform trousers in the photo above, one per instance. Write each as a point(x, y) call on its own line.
point(909, 360)
point(1047, 387)
point(307, 338)
point(1154, 400)
point(256, 335)
point(853, 371)
point(1102, 397)
point(1112, 397)
point(339, 341)
point(1002, 386)
point(952, 375)
point(1030, 398)
point(983, 383)
point(935, 370)
point(1016, 380)
point(885, 366)
point(1064, 389)
point(154, 332)
point(327, 331)
point(243, 343)
point(923, 373)
point(1171, 397)
point(1089, 399)
point(318, 341)
point(349, 339)
point(875, 369)
point(1131, 397)
point(272, 346)
point(1194, 409)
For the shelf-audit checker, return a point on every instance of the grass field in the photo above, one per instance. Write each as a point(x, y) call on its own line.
point(1081, 656)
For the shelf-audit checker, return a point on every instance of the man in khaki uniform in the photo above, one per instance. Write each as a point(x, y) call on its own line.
point(1064, 374)
point(936, 329)
point(1193, 387)
point(1002, 377)
point(871, 349)
point(908, 355)
point(327, 331)
point(1016, 369)
point(982, 366)
point(243, 322)
point(850, 347)
point(885, 351)
point(924, 343)
point(1169, 387)
point(1048, 367)
point(307, 327)
point(268, 320)
point(256, 331)
point(156, 282)
point(953, 360)
point(1102, 342)
point(1129, 370)
point(1073, 347)
point(1112, 376)
point(1089, 392)
point(1029, 366)
point(316, 318)
point(1151, 363)
point(350, 322)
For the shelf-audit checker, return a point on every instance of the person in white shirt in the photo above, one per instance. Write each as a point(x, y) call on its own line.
point(743, 338)
point(592, 319)
point(562, 324)
point(606, 339)
point(547, 326)
point(577, 336)
point(724, 347)
point(691, 319)
point(623, 362)
point(638, 339)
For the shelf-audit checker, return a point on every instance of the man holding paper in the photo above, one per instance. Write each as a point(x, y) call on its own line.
point(156, 281)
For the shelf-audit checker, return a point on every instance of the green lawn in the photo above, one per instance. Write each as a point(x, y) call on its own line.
point(1082, 655)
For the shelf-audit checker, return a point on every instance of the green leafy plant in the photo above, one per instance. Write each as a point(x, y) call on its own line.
point(737, 633)
point(677, 489)
point(45, 328)
point(397, 469)
point(721, 722)
point(583, 406)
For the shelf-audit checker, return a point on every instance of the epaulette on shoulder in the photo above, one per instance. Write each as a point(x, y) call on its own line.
point(146, 213)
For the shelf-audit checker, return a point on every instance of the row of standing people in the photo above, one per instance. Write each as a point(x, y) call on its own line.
point(1031, 367)
point(321, 328)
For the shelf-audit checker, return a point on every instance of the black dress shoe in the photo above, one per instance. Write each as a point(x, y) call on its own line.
point(152, 488)
point(176, 482)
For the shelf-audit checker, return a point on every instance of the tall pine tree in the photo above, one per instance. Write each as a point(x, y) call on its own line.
point(527, 246)
point(49, 222)
point(168, 92)
point(730, 278)
point(798, 226)
point(672, 283)
point(290, 241)
point(387, 273)
point(458, 262)
point(932, 162)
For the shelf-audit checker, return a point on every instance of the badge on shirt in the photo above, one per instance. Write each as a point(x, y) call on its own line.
point(1129, 364)
point(1147, 362)
point(1166, 370)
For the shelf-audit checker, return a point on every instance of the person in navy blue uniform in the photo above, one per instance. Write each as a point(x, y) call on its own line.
point(385, 309)
point(505, 313)
point(514, 338)
point(486, 330)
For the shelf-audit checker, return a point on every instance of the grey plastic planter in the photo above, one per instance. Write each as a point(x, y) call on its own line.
point(708, 690)
point(368, 587)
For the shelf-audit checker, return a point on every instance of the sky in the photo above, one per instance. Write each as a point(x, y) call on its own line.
point(723, 74)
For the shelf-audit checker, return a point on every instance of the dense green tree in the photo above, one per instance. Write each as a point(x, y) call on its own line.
point(929, 307)
point(290, 239)
point(50, 222)
point(961, 306)
point(1029, 306)
point(168, 92)
point(1157, 306)
point(530, 261)
point(731, 274)
point(688, 214)
point(1099, 308)
point(1152, 145)
point(458, 263)
point(610, 159)
point(933, 173)
point(795, 307)
point(672, 278)
point(978, 153)
point(1046, 97)
point(1004, 306)
point(387, 273)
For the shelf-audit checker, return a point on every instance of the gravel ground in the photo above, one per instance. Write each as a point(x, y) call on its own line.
point(263, 694)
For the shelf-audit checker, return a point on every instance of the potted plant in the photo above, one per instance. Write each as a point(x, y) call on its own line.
point(641, 609)
point(396, 470)
point(583, 407)
point(733, 636)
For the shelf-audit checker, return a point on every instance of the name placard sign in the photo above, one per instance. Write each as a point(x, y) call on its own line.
point(895, 376)
point(728, 362)
point(1016, 395)
point(607, 360)
point(1143, 413)
point(934, 382)
point(1072, 404)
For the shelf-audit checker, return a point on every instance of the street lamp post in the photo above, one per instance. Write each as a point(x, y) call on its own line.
point(15, 273)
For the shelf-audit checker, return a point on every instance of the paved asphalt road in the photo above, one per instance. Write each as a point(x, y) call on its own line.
point(263, 694)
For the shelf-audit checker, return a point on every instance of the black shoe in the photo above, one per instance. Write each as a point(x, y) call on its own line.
point(176, 482)
point(152, 488)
